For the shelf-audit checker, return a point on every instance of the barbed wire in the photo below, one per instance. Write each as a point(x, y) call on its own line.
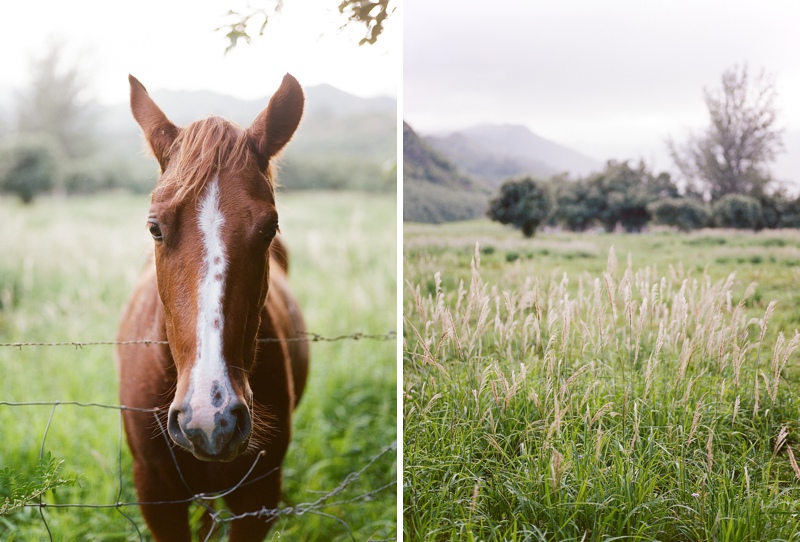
point(306, 336)
point(221, 517)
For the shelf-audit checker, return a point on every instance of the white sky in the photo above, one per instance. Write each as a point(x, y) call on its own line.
point(172, 44)
point(611, 78)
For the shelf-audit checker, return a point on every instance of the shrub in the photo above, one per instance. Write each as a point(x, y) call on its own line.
point(737, 211)
point(779, 210)
point(684, 213)
point(616, 196)
point(524, 203)
point(578, 203)
point(28, 166)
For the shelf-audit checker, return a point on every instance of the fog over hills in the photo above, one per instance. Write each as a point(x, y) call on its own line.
point(519, 141)
point(452, 177)
point(183, 107)
point(495, 152)
point(479, 161)
point(343, 141)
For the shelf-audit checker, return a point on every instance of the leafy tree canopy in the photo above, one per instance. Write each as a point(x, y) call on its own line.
point(371, 14)
point(738, 211)
point(29, 166)
point(524, 203)
point(684, 213)
point(619, 194)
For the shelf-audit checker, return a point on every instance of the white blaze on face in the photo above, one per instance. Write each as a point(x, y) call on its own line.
point(208, 383)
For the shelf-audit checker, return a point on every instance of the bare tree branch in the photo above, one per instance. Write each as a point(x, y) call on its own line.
point(733, 153)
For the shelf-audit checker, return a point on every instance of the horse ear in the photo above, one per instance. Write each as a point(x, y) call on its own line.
point(158, 130)
point(275, 125)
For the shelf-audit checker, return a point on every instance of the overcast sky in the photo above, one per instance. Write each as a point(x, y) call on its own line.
point(172, 44)
point(611, 78)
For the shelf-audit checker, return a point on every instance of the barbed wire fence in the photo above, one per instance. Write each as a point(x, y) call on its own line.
point(222, 517)
point(306, 336)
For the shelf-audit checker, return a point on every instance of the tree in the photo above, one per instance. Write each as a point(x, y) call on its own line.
point(524, 203)
point(620, 194)
point(372, 14)
point(56, 101)
point(732, 155)
point(737, 211)
point(55, 117)
point(28, 166)
point(624, 193)
point(684, 213)
point(789, 213)
point(779, 209)
point(578, 204)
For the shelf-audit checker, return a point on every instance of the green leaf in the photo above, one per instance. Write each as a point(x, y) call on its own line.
point(21, 489)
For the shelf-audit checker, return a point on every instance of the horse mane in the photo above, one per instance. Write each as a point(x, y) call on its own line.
point(201, 150)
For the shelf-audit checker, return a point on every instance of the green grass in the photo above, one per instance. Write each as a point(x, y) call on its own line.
point(68, 266)
point(575, 392)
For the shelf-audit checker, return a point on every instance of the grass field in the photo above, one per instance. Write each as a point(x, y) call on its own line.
point(66, 270)
point(559, 389)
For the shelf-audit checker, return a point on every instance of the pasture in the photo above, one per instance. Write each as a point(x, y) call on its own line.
point(67, 267)
point(558, 389)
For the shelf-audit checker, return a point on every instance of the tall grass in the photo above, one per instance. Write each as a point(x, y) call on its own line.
point(625, 404)
point(66, 271)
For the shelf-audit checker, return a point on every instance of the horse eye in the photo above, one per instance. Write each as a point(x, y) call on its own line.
point(155, 230)
point(269, 232)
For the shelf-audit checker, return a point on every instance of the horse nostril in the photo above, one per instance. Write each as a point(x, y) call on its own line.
point(174, 428)
point(211, 434)
point(172, 421)
point(242, 422)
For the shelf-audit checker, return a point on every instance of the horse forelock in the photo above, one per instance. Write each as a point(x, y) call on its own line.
point(204, 150)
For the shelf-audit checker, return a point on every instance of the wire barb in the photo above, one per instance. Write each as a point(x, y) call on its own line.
point(220, 517)
point(305, 336)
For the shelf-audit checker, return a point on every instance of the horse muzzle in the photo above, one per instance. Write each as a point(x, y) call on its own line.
point(211, 432)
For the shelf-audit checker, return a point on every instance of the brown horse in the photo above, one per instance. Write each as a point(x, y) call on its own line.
point(216, 292)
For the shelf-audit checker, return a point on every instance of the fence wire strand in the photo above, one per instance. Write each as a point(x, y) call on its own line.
point(306, 336)
point(220, 518)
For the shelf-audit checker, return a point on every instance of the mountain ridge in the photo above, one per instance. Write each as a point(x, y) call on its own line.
point(434, 189)
point(343, 141)
point(495, 152)
point(186, 106)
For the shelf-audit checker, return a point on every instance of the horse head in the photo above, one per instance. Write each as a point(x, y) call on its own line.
point(213, 219)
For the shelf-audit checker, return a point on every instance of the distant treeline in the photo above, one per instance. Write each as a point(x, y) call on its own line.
point(55, 139)
point(34, 164)
point(629, 198)
point(724, 171)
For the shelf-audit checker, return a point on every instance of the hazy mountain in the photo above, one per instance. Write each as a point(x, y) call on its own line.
point(482, 163)
point(496, 152)
point(325, 99)
point(183, 107)
point(434, 190)
point(343, 141)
